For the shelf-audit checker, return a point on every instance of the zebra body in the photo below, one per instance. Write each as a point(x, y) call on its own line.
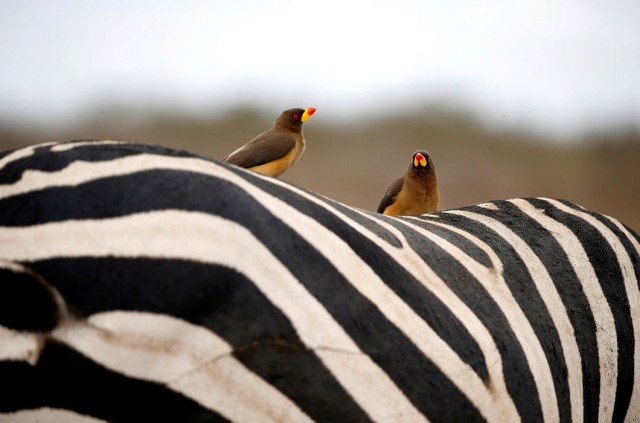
point(191, 290)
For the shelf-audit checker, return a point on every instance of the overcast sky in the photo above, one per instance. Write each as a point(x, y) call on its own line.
point(557, 65)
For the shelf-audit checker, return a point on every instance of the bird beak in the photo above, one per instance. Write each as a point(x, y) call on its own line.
point(419, 158)
point(307, 113)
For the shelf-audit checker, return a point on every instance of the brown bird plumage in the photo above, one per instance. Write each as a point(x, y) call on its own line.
point(415, 192)
point(274, 151)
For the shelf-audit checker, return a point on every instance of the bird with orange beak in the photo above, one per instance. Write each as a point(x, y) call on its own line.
point(274, 151)
point(415, 192)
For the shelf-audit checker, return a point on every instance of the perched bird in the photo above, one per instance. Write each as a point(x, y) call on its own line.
point(274, 151)
point(415, 192)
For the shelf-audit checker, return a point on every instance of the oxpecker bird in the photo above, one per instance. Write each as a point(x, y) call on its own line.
point(415, 192)
point(274, 151)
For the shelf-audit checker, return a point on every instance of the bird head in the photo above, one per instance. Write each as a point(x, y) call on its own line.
point(294, 118)
point(421, 160)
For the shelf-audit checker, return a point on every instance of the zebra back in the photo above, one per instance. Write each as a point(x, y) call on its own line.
point(191, 290)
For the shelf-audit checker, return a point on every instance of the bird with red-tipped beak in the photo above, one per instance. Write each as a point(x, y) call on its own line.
point(415, 192)
point(274, 151)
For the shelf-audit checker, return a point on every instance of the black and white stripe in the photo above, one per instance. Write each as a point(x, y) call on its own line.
point(191, 290)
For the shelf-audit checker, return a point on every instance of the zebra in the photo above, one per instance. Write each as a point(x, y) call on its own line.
point(144, 283)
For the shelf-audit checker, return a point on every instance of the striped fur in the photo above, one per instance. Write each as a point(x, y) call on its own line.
point(191, 290)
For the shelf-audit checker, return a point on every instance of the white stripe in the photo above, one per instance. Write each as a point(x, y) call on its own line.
point(206, 238)
point(81, 172)
point(488, 206)
point(46, 414)
point(20, 346)
point(631, 289)
point(553, 303)
point(186, 358)
point(606, 338)
point(65, 146)
point(14, 267)
point(633, 414)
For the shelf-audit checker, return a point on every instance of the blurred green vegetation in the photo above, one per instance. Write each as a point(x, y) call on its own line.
point(354, 162)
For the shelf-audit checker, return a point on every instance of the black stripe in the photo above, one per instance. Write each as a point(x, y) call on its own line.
point(371, 225)
point(524, 291)
point(214, 297)
point(623, 392)
point(609, 272)
point(5, 153)
point(64, 378)
point(549, 251)
point(46, 160)
point(27, 302)
point(120, 196)
point(458, 240)
point(633, 233)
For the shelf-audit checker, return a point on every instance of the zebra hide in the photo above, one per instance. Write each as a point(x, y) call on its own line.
point(141, 283)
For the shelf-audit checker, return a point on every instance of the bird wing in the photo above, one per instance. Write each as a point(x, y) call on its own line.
point(266, 147)
point(390, 196)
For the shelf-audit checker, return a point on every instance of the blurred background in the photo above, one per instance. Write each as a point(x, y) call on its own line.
point(512, 99)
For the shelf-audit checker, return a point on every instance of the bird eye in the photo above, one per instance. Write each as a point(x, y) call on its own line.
point(296, 116)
